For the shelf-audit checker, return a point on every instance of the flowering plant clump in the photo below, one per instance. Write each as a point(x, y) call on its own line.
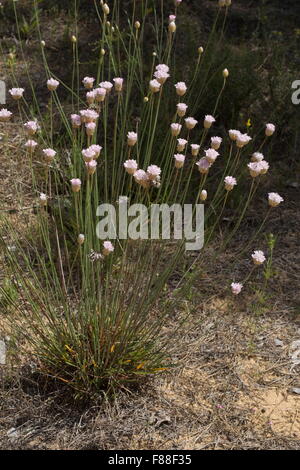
point(89, 301)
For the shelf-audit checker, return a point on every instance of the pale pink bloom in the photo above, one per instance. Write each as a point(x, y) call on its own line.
point(108, 248)
point(52, 84)
point(118, 83)
point(142, 178)
point(80, 239)
point(264, 167)
point(161, 76)
point(203, 195)
point(131, 166)
point(88, 82)
point(234, 134)
point(88, 115)
point(181, 109)
point(88, 154)
point(153, 172)
point(132, 138)
point(43, 199)
point(76, 184)
point(270, 129)
point(242, 140)
point(172, 18)
point(274, 199)
point(16, 93)
point(76, 121)
point(216, 142)
point(190, 123)
point(90, 128)
point(49, 155)
point(230, 183)
point(258, 257)
point(208, 121)
point(96, 149)
point(257, 157)
point(107, 85)
point(236, 287)
point(31, 127)
point(31, 145)
point(91, 167)
point(163, 67)
point(179, 160)
point(5, 115)
point(100, 94)
point(154, 86)
point(181, 144)
point(211, 155)
point(177, 2)
point(195, 149)
point(91, 96)
point(181, 88)
point(255, 169)
point(203, 166)
point(175, 129)
point(172, 27)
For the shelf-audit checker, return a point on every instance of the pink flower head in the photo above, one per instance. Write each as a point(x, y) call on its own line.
point(258, 257)
point(91, 167)
point(153, 172)
point(179, 160)
point(96, 149)
point(90, 128)
point(172, 18)
point(181, 143)
point(195, 149)
point(161, 76)
point(181, 88)
point(270, 129)
point(181, 109)
point(203, 166)
point(216, 142)
point(88, 115)
point(52, 84)
point(258, 168)
point(230, 182)
point(234, 134)
point(16, 93)
point(274, 199)
point(31, 127)
point(100, 94)
point(88, 82)
point(131, 166)
point(76, 185)
point(118, 83)
point(257, 157)
point(31, 145)
point(5, 115)
point(90, 97)
point(175, 129)
point(107, 85)
point(264, 167)
point(49, 155)
point(132, 138)
point(43, 199)
point(190, 123)
point(208, 121)
point(88, 154)
point(108, 248)
point(163, 67)
point(154, 86)
point(80, 239)
point(142, 178)
point(236, 287)
point(76, 121)
point(211, 155)
point(242, 140)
